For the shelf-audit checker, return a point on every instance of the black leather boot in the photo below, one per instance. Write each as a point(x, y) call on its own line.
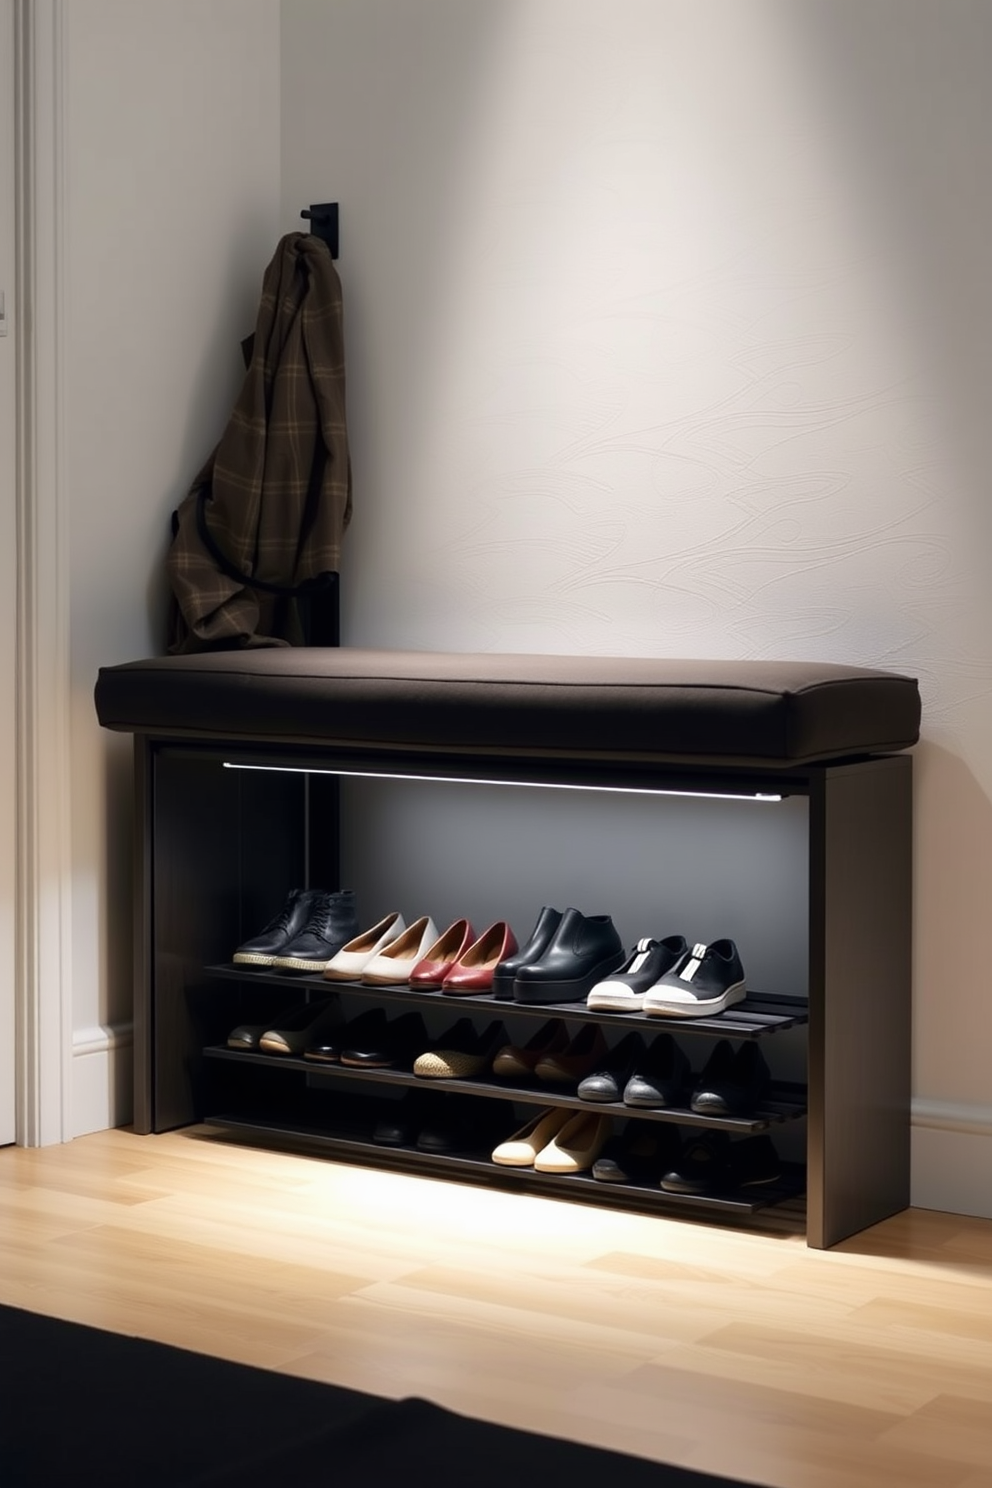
point(534, 948)
point(582, 951)
point(332, 923)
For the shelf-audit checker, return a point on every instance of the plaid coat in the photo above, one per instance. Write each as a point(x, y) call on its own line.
point(268, 510)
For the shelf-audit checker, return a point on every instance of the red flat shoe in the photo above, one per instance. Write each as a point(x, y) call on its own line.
point(473, 971)
point(442, 955)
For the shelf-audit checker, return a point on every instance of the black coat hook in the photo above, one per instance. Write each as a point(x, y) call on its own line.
point(323, 219)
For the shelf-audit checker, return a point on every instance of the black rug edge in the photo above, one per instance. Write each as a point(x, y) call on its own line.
point(82, 1404)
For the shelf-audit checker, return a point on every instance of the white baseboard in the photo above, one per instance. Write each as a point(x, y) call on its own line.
point(102, 1065)
point(952, 1158)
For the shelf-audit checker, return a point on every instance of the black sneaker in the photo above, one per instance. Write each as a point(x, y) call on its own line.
point(263, 948)
point(624, 991)
point(731, 1084)
point(330, 925)
point(708, 980)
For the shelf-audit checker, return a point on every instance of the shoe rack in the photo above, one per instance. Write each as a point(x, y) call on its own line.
point(219, 846)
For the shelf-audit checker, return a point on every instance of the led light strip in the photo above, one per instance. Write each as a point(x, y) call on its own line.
point(620, 790)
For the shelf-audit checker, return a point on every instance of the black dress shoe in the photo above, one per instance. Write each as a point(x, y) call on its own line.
point(703, 1168)
point(582, 951)
point(731, 1084)
point(246, 1037)
point(289, 1033)
point(262, 948)
point(640, 1154)
point(323, 1043)
point(331, 924)
point(400, 1121)
point(455, 1125)
point(532, 950)
point(661, 1079)
point(608, 1081)
point(379, 1044)
point(754, 1163)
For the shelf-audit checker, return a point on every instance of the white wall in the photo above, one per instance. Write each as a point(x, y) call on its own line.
point(667, 329)
point(172, 210)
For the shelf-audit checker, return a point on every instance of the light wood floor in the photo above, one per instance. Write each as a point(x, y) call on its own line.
point(863, 1366)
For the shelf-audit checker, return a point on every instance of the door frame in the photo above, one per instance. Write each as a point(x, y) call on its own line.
point(43, 991)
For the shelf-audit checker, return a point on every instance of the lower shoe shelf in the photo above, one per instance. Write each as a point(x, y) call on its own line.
point(785, 1102)
point(345, 1142)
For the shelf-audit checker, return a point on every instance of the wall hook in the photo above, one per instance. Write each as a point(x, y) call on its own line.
point(323, 219)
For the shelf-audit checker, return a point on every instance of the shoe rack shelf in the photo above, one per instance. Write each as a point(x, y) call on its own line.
point(785, 1102)
point(754, 1018)
point(218, 848)
point(476, 1167)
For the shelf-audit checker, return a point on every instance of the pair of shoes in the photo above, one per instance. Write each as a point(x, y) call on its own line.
point(461, 1052)
point(609, 1079)
point(308, 930)
point(731, 1084)
point(351, 959)
point(370, 1041)
point(461, 963)
point(441, 1125)
point(551, 1055)
point(555, 1141)
point(711, 1163)
point(519, 1061)
point(290, 1032)
point(565, 955)
point(667, 978)
point(641, 1153)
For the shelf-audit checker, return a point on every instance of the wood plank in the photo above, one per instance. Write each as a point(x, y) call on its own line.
point(867, 1366)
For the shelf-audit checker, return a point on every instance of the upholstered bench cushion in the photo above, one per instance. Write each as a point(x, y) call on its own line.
point(761, 713)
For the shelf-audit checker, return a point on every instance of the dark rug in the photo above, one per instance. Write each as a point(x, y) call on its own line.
point(80, 1408)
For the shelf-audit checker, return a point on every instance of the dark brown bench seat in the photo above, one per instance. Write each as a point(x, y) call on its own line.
point(762, 714)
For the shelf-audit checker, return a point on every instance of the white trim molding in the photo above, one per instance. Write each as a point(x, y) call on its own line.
point(102, 1039)
point(952, 1116)
point(102, 1077)
point(43, 843)
point(952, 1157)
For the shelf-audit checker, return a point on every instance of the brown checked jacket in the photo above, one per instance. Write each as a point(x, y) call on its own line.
point(264, 519)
